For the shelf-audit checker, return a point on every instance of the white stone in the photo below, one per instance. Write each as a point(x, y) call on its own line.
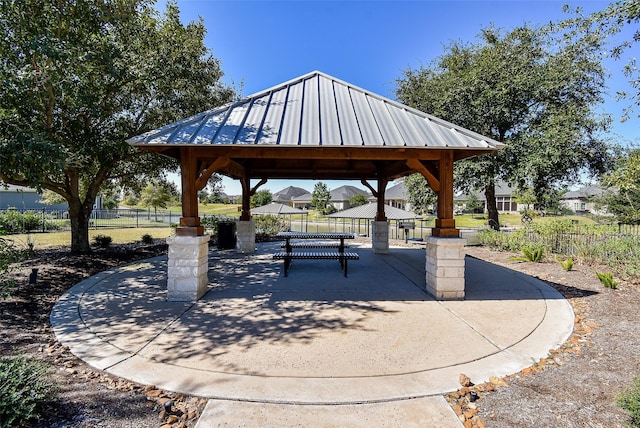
point(380, 237)
point(187, 267)
point(246, 232)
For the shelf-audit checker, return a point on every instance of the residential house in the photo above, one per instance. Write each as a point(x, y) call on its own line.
point(581, 201)
point(505, 200)
point(24, 198)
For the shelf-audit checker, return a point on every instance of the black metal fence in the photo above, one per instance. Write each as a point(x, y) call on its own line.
point(43, 220)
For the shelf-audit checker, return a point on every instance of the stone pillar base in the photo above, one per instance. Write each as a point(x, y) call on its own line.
point(246, 236)
point(380, 237)
point(445, 268)
point(188, 267)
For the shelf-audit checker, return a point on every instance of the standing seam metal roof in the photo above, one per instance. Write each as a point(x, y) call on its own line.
point(316, 110)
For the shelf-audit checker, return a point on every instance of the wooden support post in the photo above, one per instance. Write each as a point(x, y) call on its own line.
point(382, 186)
point(445, 223)
point(189, 222)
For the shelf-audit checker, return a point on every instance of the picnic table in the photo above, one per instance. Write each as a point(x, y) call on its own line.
point(288, 255)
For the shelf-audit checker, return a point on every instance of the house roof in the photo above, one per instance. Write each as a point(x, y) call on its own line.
point(312, 127)
point(398, 191)
point(370, 210)
point(289, 193)
point(584, 192)
point(344, 193)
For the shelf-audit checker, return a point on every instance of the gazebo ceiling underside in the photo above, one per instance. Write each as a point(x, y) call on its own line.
point(315, 127)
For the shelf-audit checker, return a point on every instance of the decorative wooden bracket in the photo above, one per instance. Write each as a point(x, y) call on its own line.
point(365, 183)
point(418, 166)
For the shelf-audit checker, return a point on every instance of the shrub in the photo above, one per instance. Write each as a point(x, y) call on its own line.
point(629, 400)
point(146, 239)
point(530, 254)
point(566, 264)
point(102, 241)
point(268, 226)
point(25, 391)
point(607, 280)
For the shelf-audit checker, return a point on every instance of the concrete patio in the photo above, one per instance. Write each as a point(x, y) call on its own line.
point(315, 348)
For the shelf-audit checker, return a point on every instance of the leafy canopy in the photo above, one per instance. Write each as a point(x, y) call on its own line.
point(534, 89)
point(79, 78)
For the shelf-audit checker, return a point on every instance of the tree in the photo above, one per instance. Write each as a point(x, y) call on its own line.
point(321, 197)
point(533, 89)
point(421, 197)
point(612, 21)
point(473, 204)
point(623, 196)
point(357, 200)
point(261, 197)
point(79, 77)
point(156, 195)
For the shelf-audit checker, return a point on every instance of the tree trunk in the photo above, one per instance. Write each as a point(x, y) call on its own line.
point(492, 208)
point(79, 217)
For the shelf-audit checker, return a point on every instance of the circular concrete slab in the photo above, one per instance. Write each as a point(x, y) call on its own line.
point(315, 336)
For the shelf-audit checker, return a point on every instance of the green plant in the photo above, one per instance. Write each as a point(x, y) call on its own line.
point(566, 264)
point(25, 391)
point(607, 280)
point(9, 255)
point(146, 239)
point(530, 254)
point(102, 241)
point(629, 400)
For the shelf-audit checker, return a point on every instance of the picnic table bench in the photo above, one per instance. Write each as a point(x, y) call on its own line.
point(288, 255)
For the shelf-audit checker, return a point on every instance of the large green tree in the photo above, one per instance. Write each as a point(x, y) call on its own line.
point(534, 89)
point(321, 197)
point(80, 77)
point(623, 183)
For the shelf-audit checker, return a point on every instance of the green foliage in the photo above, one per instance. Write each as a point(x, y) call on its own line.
point(420, 195)
point(26, 390)
point(566, 264)
point(210, 222)
point(12, 221)
point(102, 241)
point(358, 200)
point(9, 255)
point(530, 254)
point(606, 278)
point(535, 89)
point(623, 196)
point(79, 77)
point(629, 400)
point(146, 239)
point(268, 226)
point(321, 198)
point(262, 197)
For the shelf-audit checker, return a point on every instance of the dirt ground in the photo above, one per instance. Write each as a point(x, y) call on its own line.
point(576, 386)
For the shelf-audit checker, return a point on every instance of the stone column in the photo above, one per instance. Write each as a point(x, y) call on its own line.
point(246, 236)
point(445, 268)
point(188, 267)
point(380, 237)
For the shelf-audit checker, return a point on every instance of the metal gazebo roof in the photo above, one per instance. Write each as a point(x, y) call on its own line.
point(278, 209)
point(315, 111)
point(368, 211)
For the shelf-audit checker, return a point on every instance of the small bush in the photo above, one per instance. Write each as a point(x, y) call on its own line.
point(567, 264)
point(607, 280)
point(102, 241)
point(629, 400)
point(530, 254)
point(25, 391)
point(146, 239)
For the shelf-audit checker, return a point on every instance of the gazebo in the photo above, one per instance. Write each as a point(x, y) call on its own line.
point(314, 127)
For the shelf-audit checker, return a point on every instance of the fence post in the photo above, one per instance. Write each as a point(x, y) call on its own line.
point(137, 216)
point(43, 225)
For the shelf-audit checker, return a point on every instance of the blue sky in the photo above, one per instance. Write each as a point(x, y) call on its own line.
point(366, 43)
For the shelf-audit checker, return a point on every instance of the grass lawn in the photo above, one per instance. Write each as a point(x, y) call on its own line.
point(62, 239)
